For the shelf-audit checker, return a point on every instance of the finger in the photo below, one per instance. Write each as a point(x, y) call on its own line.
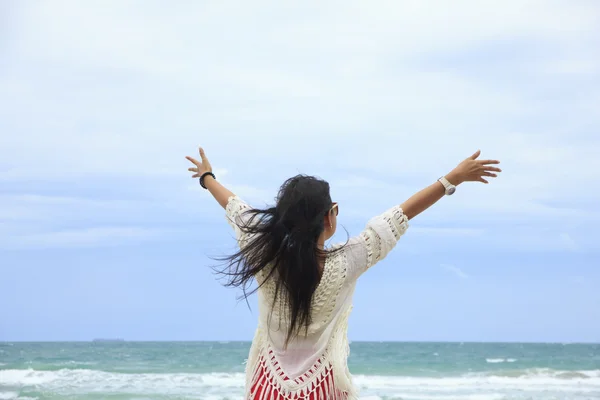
point(482, 180)
point(487, 162)
point(196, 176)
point(193, 160)
point(487, 169)
point(489, 174)
point(193, 169)
point(475, 155)
point(202, 155)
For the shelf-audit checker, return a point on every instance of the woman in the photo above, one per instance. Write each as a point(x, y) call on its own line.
point(300, 347)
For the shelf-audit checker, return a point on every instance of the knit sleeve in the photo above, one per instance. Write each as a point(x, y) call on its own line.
point(375, 242)
point(236, 214)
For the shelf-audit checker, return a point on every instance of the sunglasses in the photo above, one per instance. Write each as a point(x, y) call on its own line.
point(336, 209)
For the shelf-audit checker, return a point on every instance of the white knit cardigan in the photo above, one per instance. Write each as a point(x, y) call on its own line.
point(324, 348)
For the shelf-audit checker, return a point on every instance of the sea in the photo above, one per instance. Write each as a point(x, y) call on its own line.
point(214, 370)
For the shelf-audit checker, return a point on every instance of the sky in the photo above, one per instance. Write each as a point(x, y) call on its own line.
point(103, 234)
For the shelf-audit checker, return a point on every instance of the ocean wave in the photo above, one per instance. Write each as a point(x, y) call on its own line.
point(76, 363)
point(529, 378)
point(490, 385)
point(14, 396)
point(77, 381)
point(542, 373)
point(500, 360)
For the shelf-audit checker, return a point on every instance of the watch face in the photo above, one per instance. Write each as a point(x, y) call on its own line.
point(451, 190)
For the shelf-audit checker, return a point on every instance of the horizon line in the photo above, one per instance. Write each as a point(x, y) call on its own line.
point(120, 340)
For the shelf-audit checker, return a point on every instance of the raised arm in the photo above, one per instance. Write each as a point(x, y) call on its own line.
point(219, 192)
point(470, 170)
point(383, 231)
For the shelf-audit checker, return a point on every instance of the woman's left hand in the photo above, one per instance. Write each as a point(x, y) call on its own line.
point(201, 167)
point(473, 170)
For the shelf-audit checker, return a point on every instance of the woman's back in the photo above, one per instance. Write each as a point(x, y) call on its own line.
point(317, 356)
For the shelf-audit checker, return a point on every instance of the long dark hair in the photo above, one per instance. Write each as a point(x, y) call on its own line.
point(282, 240)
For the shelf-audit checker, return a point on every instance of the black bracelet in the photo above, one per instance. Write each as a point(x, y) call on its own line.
point(204, 175)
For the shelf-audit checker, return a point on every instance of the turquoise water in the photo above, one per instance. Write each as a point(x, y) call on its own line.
point(214, 370)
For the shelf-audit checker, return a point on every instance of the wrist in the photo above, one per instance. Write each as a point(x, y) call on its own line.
point(206, 179)
point(454, 178)
point(209, 178)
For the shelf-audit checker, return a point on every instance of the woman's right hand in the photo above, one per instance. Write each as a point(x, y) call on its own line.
point(219, 192)
point(473, 170)
point(201, 167)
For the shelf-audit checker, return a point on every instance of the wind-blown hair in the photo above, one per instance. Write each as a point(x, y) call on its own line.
point(282, 241)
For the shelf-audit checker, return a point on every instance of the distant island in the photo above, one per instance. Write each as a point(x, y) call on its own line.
point(108, 340)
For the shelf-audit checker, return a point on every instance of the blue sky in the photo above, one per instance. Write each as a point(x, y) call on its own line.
point(103, 233)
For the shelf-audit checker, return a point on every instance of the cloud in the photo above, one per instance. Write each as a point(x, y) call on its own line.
point(568, 242)
point(456, 231)
point(49, 209)
point(380, 99)
point(364, 81)
point(253, 195)
point(102, 218)
point(455, 270)
point(35, 221)
point(80, 238)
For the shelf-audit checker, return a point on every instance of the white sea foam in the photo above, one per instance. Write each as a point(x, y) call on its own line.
point(70, 363)
point(520, 384)
point(14, 396)
point(500, 360)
